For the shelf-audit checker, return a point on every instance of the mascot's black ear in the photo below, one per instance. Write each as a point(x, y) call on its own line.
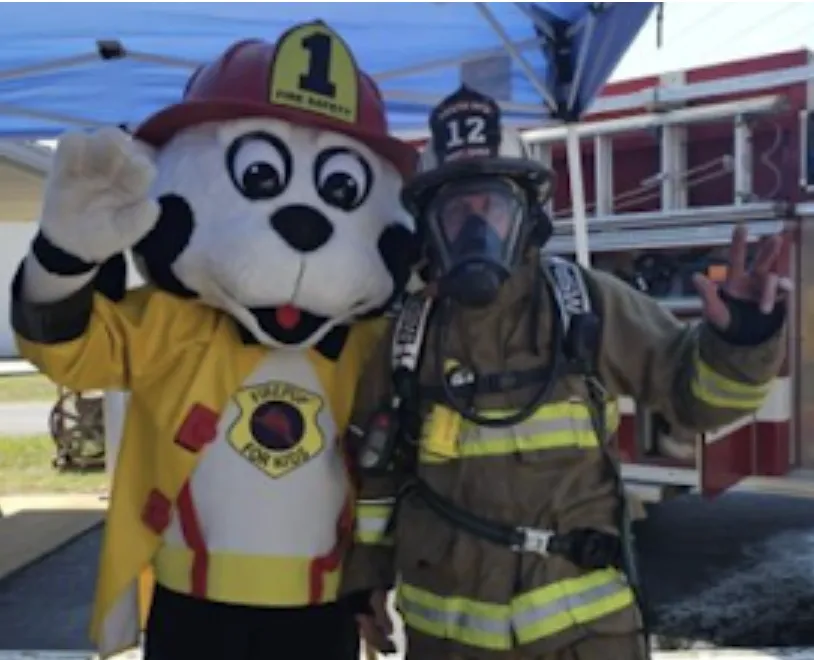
point(400, 250)
point(111, 278)
point(161, 247)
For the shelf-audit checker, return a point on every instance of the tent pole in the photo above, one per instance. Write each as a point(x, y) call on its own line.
point(578, 207)
point(46, 67)
point(511, 49)
point(582, 56)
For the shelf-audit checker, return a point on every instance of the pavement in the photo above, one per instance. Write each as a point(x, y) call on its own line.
point(29, 418)
point(33, 526)
point(14, 367)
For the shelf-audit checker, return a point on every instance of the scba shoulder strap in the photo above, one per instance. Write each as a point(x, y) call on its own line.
point(409, 333)
point(580, 319)
point(568, 284)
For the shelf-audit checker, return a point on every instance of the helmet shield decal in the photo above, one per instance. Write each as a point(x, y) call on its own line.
point(313, 70)
point(465, 125)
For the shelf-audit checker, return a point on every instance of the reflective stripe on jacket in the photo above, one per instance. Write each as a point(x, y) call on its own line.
point(529, 617)
point(552, 426)
point(718, 391)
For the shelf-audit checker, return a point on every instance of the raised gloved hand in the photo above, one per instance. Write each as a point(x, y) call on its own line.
point(749, 307)
point(97, 200)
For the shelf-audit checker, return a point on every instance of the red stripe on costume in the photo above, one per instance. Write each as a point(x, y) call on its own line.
point(344, 534)
point(331, 562)
point(193, 536)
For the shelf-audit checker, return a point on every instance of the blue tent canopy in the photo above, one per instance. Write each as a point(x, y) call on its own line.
point(540, 60)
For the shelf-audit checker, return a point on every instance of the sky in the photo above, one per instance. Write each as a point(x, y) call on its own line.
point(699, 33)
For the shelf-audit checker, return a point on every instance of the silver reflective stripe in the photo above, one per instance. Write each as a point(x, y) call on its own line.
point(476, 434)
point(568, 603)
point(452, 621)
point(372, 517)
point(376, 501)
point(371, 526)
point(710, 389)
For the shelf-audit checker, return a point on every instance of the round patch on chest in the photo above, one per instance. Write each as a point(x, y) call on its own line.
point(277, 425)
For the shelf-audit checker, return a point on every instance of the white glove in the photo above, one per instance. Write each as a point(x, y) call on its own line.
point(97, 201)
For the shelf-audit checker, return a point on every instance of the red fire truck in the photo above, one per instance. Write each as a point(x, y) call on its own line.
point(670, 164)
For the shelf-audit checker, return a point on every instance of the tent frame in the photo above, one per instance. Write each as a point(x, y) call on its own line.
point(657, 98)
point(551, 36)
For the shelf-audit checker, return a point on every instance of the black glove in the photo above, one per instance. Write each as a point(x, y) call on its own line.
point(589, 549)
point(750, 326)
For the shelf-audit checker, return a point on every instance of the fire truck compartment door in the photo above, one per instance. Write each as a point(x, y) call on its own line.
point(727, 455)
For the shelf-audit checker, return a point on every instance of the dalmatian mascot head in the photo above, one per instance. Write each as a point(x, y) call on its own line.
point(278, 188)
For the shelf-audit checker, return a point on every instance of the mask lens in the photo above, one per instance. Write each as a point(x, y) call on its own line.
point(495, 209)
point(475, 227)
point(477, 220)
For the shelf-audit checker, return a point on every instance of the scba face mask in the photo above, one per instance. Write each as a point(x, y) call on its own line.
point(475, 226)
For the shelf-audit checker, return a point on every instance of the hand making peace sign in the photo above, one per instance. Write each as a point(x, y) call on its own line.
point(765, 282)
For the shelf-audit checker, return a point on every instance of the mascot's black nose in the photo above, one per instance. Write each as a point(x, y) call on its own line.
point(302, 227)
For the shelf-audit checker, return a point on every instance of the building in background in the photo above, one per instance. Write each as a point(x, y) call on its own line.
point(22, 175)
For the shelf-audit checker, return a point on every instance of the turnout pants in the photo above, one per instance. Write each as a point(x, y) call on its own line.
point(181, 627)
point(605, 647)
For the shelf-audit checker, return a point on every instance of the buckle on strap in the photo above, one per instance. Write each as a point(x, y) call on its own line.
point(533, 540)
point(589, 549)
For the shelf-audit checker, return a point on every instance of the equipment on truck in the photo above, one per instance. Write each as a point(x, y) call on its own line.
point(676, 165)
point(77, 427)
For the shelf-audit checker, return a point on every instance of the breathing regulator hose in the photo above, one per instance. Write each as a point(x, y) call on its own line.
point(540, 396)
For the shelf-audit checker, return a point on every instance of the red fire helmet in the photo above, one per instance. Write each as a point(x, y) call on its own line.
point(309, 78)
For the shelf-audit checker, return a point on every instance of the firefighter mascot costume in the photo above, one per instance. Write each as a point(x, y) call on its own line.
point(489, 489)
point(263, 210)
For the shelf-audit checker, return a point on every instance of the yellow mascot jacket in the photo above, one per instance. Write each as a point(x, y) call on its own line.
point(181, 361)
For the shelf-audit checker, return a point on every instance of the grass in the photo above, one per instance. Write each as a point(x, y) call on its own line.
point(26, 468)
point(27, 387)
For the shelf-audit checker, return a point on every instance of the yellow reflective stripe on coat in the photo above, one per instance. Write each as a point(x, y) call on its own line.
point(553, 426)
point(576, 601)
point(531, 616)
point(718, 391)
point(372, 517)
point(482, 625)
point(612, 417)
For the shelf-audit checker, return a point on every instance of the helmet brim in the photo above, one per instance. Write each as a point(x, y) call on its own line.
point(160, 128)
point(527, 173)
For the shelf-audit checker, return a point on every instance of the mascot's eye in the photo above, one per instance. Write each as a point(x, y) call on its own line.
point(259, 165)
point(342, 178)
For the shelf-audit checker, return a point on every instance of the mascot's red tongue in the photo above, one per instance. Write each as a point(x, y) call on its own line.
point(287, 317)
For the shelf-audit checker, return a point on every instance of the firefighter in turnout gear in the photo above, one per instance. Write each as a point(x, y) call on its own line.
point(489, 490)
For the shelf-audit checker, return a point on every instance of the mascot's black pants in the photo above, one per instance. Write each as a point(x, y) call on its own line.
point(185, 628)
